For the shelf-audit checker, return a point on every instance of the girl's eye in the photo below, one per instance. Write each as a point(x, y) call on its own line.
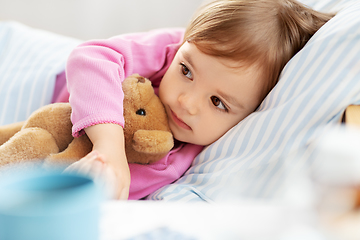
point(218, 103)
point(186, 71)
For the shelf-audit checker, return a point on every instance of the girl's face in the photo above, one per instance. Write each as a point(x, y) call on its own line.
point(204, 96)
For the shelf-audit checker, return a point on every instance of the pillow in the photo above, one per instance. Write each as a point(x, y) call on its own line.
point(30, 59)
point(328, 5)
point(255, 157)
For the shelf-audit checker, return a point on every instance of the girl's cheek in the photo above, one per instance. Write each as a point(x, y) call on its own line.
point(165, 93)
point(162, 97)
point(161, 93)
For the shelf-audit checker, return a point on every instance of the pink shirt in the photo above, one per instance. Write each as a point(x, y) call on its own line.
point(94, 73)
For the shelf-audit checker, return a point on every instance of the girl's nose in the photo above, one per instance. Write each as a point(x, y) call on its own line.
point(188, 103)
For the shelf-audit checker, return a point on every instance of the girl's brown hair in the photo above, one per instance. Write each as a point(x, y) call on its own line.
point(263, 32)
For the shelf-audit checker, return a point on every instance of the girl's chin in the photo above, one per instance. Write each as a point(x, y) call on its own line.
point(179, 137)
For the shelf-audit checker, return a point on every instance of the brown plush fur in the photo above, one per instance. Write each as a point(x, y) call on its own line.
point(46, 135)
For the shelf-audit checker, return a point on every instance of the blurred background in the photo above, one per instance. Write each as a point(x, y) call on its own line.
point(89, 19)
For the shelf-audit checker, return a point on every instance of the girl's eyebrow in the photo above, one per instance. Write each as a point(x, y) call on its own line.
point(232, 100)
point(187, 57)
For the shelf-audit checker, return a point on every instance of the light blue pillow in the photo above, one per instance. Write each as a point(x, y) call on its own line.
point(315, 87)
point(30, 59)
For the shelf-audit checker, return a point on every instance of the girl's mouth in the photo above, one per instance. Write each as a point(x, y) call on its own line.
point(179, 122)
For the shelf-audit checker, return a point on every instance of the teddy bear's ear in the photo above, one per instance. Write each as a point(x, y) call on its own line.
point(140, 79)
point(136, 86)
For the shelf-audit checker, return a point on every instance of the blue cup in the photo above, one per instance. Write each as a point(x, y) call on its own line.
point(49, 206)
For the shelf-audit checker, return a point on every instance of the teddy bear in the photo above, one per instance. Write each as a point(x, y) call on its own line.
point(46, 134)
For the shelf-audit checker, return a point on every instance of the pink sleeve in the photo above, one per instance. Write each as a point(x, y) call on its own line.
point(146, 179)
point(96, 69)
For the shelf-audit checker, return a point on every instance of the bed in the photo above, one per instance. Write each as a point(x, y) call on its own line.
point(265, 158)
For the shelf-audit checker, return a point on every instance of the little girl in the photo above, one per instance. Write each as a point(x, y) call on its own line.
point(209, 77)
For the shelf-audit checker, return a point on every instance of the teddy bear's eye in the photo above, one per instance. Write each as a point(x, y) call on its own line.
point(141, 112)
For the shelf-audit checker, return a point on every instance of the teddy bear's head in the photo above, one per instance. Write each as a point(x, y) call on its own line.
point(147, 133)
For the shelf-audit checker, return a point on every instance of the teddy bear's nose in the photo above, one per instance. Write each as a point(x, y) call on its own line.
point(141, 79)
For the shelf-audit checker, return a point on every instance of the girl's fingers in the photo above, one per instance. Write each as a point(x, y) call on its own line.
point(96, 170)
point(83, 165)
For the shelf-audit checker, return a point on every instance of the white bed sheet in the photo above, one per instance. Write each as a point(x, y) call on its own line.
point(159, 220)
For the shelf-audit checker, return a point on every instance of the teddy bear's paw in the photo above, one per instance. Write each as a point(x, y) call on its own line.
point(76, 150)
point(55, 118)
point(7, 131)
point(28, 144)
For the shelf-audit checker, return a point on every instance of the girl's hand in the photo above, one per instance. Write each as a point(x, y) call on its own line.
point(107, 160)
point(95, 166)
